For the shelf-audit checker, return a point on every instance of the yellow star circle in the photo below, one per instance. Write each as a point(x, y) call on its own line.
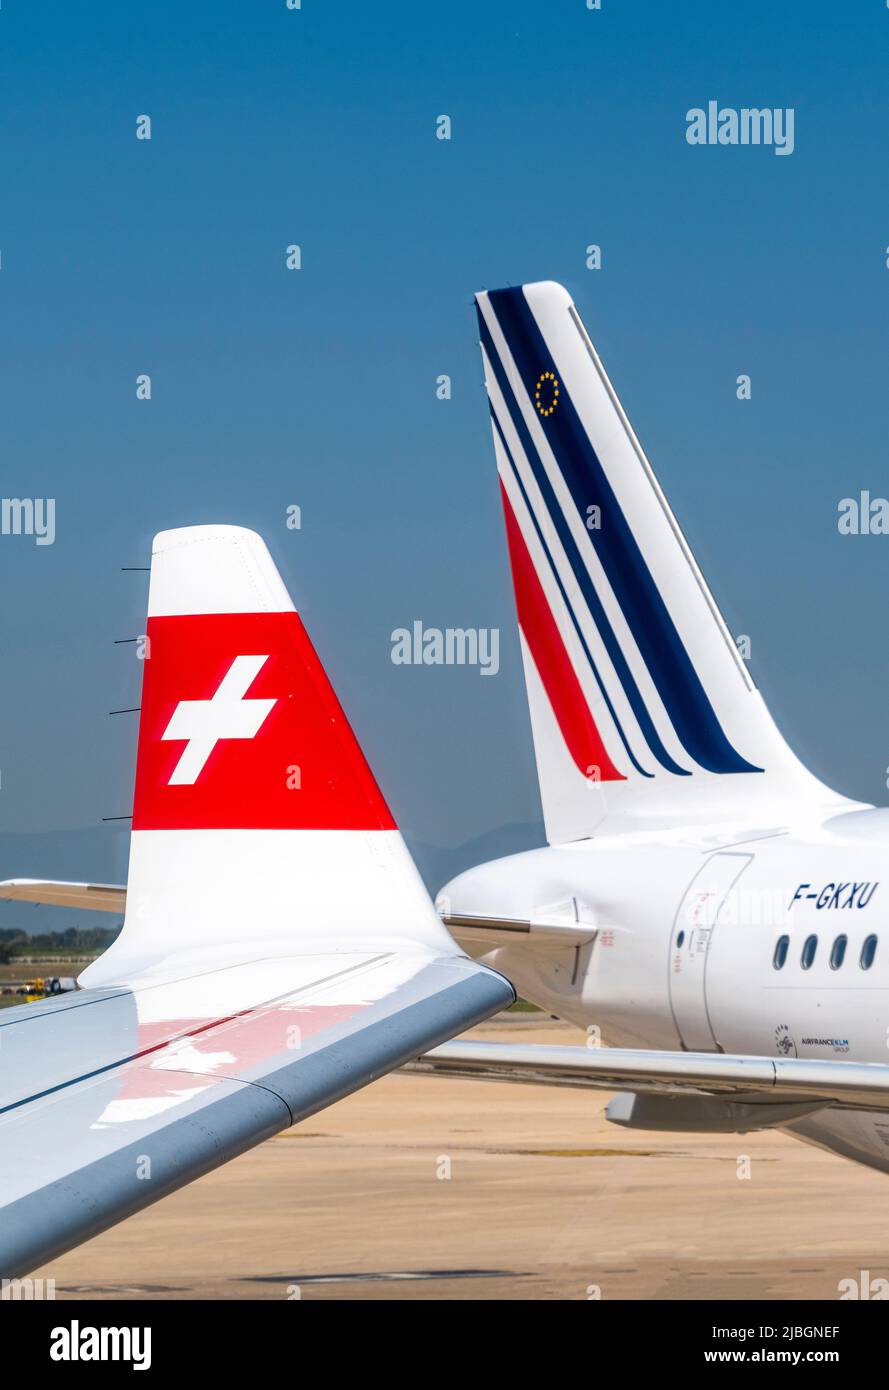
point(546, 394)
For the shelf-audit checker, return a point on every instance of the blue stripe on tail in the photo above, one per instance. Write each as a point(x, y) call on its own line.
point(581, 573)
point(562, 591)
point(660, 645)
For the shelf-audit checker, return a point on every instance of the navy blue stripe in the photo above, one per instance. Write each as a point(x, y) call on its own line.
point(581, 573)
point(684, 698)
point(555, 573)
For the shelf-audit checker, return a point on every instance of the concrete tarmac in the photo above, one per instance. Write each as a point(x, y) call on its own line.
point(427, 1188)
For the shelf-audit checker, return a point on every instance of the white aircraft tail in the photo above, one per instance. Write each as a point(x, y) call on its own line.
point(256, 817)
point(641, 706)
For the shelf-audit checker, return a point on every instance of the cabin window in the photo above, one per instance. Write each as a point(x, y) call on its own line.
point(868, 951)
point(780, 955)
point(838, 952)
point(680, 940)
point(810, 946)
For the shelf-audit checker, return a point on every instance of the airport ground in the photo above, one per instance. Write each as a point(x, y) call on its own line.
point(427, 1188)
point(17, 973)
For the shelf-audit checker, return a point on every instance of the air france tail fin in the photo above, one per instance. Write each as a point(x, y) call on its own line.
point(641, 706)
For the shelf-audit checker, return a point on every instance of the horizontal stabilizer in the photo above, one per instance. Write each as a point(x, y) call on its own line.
point(851, 1085)
point(96, 897)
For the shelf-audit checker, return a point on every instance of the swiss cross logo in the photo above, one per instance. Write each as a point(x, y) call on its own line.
point(227, 715)
point(241, 730)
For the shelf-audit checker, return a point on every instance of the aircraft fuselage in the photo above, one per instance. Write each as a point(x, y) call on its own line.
point(770, 940)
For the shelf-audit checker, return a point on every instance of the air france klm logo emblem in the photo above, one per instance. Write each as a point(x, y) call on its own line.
point(227, 715)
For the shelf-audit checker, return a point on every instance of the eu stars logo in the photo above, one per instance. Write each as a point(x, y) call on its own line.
point(546, 394)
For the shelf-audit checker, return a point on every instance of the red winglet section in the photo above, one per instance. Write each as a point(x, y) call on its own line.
point(241, 730)
point(569, 704)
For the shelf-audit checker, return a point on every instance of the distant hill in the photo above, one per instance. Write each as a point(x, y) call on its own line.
point(98, 854)
point(93, 854)
point(439, 863)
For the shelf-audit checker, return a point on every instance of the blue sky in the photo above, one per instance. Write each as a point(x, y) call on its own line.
point(317, 387)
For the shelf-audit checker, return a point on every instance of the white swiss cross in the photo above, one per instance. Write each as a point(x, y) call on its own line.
point(227, 715)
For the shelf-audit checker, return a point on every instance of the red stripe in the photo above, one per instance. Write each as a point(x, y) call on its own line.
point(569, 704)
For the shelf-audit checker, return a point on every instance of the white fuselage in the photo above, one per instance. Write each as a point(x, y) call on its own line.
point(688, 932)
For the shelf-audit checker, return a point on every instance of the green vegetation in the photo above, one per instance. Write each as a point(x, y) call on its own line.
point(74, 941)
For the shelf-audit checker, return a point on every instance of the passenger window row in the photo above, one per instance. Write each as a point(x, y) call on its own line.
point(837, 952)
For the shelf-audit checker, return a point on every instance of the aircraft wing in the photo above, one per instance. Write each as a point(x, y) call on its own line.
point(279, 949)
point(97, 897)
point(809, 1082)
point(111, 1098)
